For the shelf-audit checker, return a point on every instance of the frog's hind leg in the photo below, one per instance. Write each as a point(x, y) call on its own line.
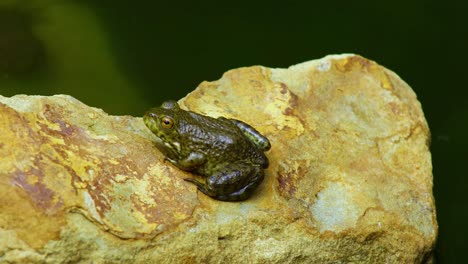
point(201, 186)
point(234, 182)
point(252, 134)
point(242, 194)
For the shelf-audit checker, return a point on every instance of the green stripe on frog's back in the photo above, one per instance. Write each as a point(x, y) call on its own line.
point(253, 135)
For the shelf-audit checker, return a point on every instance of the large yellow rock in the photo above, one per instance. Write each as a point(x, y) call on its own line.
point(350, 178)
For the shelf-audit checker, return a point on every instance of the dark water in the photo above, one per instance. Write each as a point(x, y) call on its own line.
point(126, 57)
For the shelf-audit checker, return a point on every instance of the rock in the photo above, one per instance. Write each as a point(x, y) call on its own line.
point(350, 176)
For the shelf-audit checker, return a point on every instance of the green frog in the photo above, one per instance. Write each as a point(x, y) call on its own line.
point(227, 153)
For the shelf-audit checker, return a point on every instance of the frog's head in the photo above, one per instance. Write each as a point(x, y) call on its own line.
point(165, 122)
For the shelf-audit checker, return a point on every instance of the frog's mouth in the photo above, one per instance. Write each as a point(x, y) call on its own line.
point(167, 147)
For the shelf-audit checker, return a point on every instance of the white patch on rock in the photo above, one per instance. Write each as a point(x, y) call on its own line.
point(324, 65)
point(91, 206)
point(335, 209)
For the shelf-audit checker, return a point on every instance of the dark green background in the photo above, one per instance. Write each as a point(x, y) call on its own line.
point(165, 50)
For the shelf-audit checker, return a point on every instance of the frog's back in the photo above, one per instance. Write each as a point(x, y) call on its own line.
point(221, 140)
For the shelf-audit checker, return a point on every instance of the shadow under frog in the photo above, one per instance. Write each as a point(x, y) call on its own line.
point(227, 153)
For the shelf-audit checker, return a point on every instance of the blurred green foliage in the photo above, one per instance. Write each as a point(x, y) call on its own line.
point(126, 56)
point(69, 53)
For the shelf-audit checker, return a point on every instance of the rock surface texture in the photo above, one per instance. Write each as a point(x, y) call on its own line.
point(350, 176)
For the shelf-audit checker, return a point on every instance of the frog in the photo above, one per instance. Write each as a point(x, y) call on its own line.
point(226, 155)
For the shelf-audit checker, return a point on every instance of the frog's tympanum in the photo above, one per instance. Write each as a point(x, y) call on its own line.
point(226, 153)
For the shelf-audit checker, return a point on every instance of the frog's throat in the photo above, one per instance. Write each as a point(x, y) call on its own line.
point(174, 146)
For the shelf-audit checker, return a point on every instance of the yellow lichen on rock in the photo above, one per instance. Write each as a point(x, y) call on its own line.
point(349, 178)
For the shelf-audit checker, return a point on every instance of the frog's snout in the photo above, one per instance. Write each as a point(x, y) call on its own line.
point(149, 120)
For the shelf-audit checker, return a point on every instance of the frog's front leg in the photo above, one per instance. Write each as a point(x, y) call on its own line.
point(194, 160)
point(233, 182)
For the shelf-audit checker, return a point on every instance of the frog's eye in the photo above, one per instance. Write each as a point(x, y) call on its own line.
point(167, 122)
